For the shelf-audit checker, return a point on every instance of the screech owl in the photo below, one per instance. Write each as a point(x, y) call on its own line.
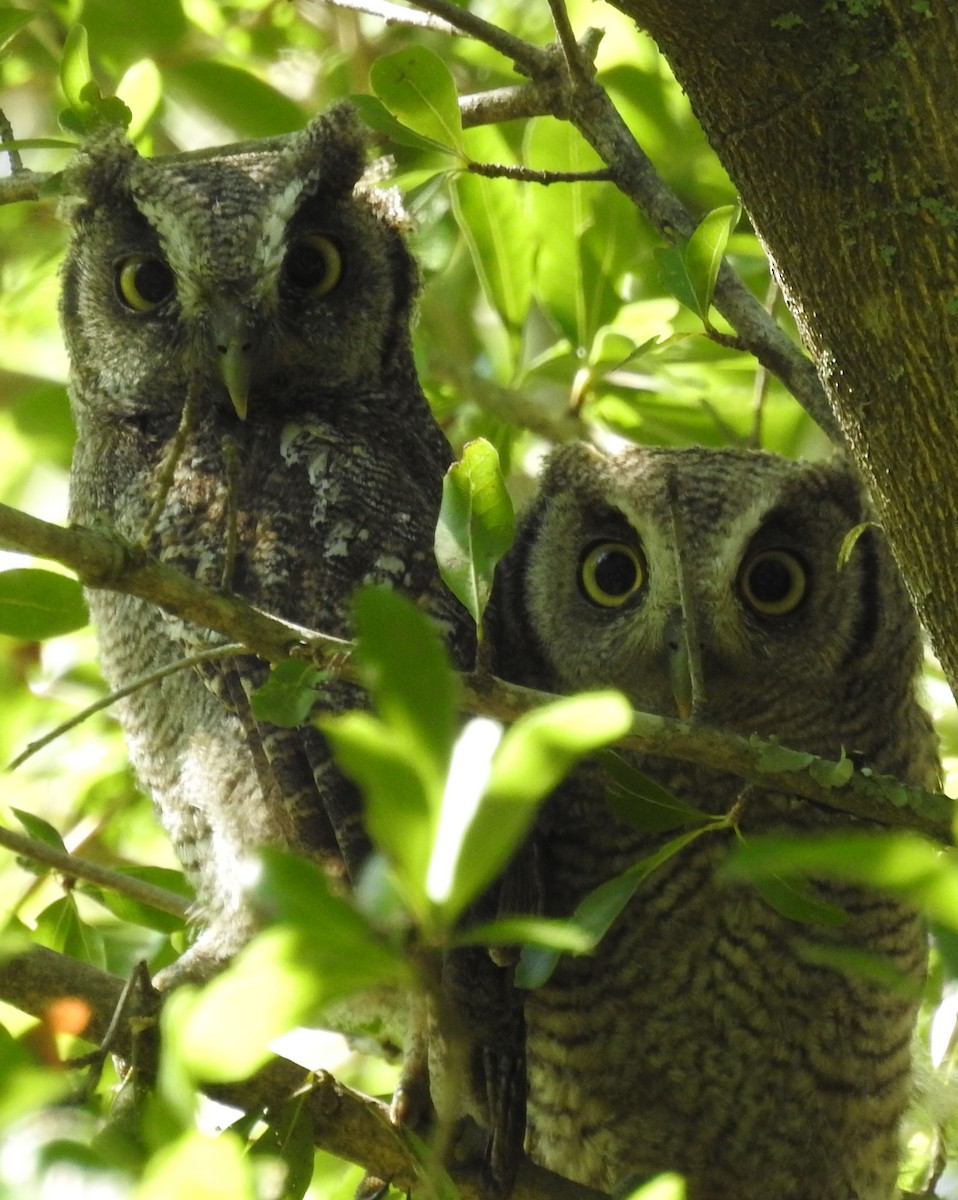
point(704, 1035)
point(243, 384)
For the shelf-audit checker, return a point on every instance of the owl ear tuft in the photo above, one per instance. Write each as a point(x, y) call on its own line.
point(331, 149)
point(101, 168)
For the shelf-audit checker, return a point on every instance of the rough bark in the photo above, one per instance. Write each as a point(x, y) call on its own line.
point(834, 121)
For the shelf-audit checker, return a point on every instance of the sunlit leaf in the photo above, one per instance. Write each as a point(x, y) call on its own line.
point(75, 70)
point(198, 1164)
point(663, 1187)
point(534, 755)
point(528, 931)
point(405, 666)
point(378, 117)
point(501, 250)
point(476, 526)
point(415, 85)
point(704, 250)
point(59, 927)
point(36, 604)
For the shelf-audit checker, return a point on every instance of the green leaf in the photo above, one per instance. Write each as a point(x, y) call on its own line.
point(794, 899)
point(495, 232)
point(866, 964)
point(288, 695)
point(406, 669)
point(526, 931)
point(76, 74)
point(662, 1187)
point(532, 758)
point(12, 20)
point(136, 912)
point(36, 604)
point(596, 912)
point(690, 268)
point(197, 1164)
point(289, 1137)
point(832, 774)
point(402, 800)
point(59, 928)
point(641, 802)
point(39, 829)
point(476, 526)
point(416, 86)
point(285, 973)
point(901, 863)
point(773, 757)
point(378, 117)
point(704, 252)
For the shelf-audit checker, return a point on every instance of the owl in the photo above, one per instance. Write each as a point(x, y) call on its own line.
point(247, 408)
point(709, 1035)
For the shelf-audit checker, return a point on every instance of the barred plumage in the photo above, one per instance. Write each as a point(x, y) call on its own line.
point(704, 1035)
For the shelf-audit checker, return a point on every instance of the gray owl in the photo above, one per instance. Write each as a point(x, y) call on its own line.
point(243, 385)
point(705, 1035)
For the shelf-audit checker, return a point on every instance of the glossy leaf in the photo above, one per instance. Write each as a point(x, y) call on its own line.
point(416, 87)
point(476, 526)
point(533, 757)
point(37, 604)
point(705, 250)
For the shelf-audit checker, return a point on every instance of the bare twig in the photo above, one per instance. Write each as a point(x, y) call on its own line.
point(214, 652)
point(24, 185)
point(6, 135)
point(508, 104)
point(101, 561)
point(80, 868)
point(529, 59)
point(530, 175)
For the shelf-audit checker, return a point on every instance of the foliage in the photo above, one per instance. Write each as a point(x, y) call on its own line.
point(546, 310)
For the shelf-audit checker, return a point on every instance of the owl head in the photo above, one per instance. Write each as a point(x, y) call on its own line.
point(709, 577)
point(271, 274)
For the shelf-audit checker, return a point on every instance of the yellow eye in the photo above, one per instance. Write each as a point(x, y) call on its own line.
point(773, 582)
point(143, 282)
point(314, 264)
point(610, 572)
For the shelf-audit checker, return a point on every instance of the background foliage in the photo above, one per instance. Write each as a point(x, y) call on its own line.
point(545, 314)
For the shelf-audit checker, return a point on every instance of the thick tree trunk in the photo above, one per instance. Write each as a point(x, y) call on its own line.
point(837, 122)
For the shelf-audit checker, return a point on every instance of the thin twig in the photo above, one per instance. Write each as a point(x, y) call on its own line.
point(74, 867)
point(530, 175)
point(570, 48)
point(214, 652)
point(396, 14)
point(6, 135)
point(517, 103)
point(530, 59)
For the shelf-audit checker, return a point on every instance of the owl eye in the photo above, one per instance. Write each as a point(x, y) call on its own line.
point(610, 572)
point(314, 264)
point(773, 582)
point(143, 282)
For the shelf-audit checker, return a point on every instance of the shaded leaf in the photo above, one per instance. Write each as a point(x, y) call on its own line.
point(288, 695)
point(850, 541)
point(39, 829)
point(37, 604)
point(476, 526)
point(641, 802)
point(12, 20)
point(794, 899)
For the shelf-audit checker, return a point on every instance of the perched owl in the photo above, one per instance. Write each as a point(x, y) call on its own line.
point(708, 1034)
point(246, 402)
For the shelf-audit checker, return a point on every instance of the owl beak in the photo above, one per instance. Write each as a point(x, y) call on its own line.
point(233, 343)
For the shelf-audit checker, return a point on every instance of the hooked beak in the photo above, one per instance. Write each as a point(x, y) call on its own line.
point(233, 344)
point(680, 672)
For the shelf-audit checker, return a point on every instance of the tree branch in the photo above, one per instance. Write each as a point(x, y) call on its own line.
point(346, 1123)
point(74, 867)
point(104, 561)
